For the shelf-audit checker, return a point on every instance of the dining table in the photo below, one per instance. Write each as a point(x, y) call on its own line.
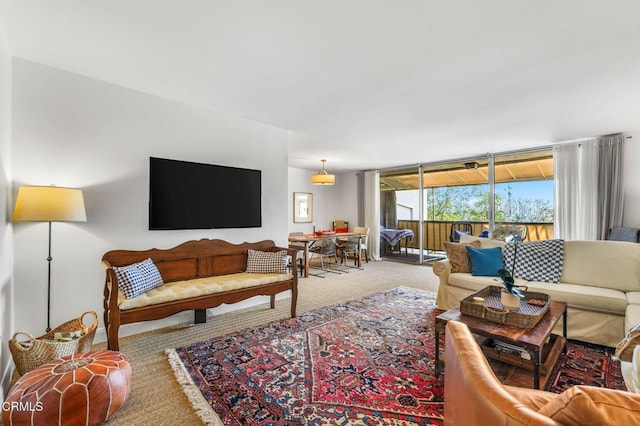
point(305, 241)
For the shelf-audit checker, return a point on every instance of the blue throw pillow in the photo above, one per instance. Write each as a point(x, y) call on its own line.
point(485, 262)
point(457, 234)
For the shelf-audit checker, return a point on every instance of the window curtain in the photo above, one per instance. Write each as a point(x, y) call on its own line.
point(588, 187)
point(372, 212)
point(610, 183)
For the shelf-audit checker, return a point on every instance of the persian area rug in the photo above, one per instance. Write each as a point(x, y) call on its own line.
point(363, 362)
point(586, 364)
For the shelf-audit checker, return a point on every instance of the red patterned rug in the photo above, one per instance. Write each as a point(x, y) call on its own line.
point(363, 362)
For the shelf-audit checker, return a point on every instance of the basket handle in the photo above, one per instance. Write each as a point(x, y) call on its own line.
point(95, 317)
point(497, 311)
point(26, 333)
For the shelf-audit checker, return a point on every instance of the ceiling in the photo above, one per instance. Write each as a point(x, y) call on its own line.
point(364, 84)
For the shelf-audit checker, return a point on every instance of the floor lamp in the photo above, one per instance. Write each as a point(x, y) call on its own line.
point(49, 204)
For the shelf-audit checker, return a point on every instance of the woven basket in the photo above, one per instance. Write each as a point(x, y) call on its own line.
point(35, 351)
point(526, 316)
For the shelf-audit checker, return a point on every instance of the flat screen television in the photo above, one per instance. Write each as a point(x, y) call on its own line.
point(187, 195)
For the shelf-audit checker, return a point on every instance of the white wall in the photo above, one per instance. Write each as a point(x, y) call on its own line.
point(6, 234)
point(75, 131)
point(338, 201)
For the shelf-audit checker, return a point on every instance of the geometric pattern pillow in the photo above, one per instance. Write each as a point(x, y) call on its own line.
point(535, 260)
point(267, 262)
point(137, 278)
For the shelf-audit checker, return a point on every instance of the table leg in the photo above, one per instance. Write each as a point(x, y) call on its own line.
point(440, 325)
point(306, 259)
point(535, 360)
point(564, 330)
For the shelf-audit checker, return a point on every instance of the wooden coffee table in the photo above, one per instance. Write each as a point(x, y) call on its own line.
point(543, 347)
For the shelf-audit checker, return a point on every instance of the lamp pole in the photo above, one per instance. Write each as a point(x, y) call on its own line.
point(49, 259)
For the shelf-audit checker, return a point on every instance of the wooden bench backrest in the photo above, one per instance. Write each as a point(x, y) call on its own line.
point(193, 259)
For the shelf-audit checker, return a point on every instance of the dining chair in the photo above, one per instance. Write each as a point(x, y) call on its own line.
point(299, 253)
point(364, 237)
point(322, 249)
point(340, 225)
point(349, 247)
point(458, 228)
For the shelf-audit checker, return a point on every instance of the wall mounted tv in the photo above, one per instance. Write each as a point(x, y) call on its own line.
point(186, 195)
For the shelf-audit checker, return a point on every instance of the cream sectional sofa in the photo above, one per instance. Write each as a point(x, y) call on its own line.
point(600, 283)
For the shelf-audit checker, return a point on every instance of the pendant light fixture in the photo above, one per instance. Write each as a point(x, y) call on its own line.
point(323, 177)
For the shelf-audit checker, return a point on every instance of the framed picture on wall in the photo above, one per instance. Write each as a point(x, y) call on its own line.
point(302, 207)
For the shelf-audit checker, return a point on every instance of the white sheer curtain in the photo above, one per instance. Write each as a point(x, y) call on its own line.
point(588, 187)
point(576, 185)
point(372, 212)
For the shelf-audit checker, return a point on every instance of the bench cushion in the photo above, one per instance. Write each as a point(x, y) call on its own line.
point(179, 290)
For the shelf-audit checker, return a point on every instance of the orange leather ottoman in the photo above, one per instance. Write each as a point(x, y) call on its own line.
point(82, 389)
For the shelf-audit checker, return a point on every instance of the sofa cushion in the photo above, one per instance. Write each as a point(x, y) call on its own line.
point(580, 296)
point(582, 405)
point(484, 242)
point(609, 264)
point(458, 256)
point(632, 315)
point(266, 262)
point(535, 260)
point(469, 282)
point(485, 262)
point(137, 278)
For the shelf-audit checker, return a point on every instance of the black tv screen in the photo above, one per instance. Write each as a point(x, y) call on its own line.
point(186, 195)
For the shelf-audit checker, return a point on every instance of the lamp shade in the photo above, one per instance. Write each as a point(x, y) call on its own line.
point(323, 177)
point(49, 204)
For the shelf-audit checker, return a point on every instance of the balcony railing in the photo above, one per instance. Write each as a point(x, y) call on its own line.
point(437, 232)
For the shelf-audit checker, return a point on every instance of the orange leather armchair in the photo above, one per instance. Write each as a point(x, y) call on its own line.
point(474, 396)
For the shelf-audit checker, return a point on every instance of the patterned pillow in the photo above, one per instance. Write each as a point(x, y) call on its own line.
point(458, 256)
point(267, 262)
point(138, 278)
point(536, 260)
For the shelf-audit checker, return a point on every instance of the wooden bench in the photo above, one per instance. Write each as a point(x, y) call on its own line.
point(193, 260)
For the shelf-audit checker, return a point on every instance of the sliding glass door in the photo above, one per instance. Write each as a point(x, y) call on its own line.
point(424, 206)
